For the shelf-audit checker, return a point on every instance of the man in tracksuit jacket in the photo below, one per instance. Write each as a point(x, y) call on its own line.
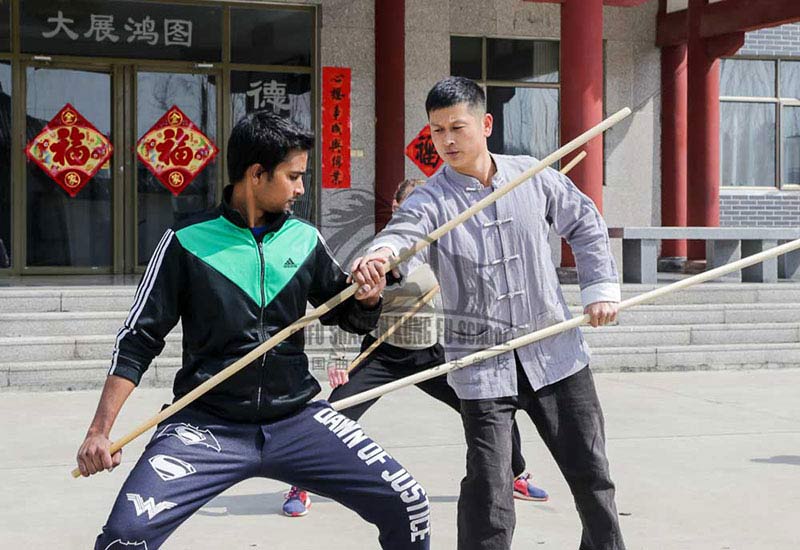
point(234, 277)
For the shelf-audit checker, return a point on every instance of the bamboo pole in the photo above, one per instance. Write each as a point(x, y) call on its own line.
point(552, 158)
point(427, 297)
point(430, 294)
point(563, 326)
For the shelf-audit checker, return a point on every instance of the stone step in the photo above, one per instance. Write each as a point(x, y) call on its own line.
point(120, 298)
point(61, 323)
point(98, 347)
point(109, 322)
point(709, 293)
point(77, 375)
point(74, 375)
point(71, 348)
point(705, 357)
point(692, 335)
point(699, 314)
point(51, 299)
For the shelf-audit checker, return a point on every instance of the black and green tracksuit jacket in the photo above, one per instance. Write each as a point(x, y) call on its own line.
point(232, 292)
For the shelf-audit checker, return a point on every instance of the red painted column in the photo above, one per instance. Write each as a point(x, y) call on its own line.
point(702, 159)
point(389, 104)
point(582, 94)
point(673, 145)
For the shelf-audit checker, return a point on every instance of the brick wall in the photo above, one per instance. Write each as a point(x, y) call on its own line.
point(760, 209)
point(780, 41)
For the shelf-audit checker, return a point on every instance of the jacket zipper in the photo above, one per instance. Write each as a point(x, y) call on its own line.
point(261, 322)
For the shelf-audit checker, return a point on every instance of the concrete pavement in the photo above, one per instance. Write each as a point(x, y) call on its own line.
point(702, 461)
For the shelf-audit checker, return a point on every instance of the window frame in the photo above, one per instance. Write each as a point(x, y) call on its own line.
point(779, 102)
point(485, 83)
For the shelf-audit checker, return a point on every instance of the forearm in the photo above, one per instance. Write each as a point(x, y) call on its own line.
point(115, 392)
point(359, 318)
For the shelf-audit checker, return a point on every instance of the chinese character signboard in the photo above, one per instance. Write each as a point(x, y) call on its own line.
point(285, 94)
point(268, 94)
point(336, 127)
point(70, 150)
point(121, 29)
point(175, 150)
point(422, 152)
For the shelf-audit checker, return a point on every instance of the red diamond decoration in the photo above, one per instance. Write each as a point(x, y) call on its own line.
point(175, 150)
point(70, 150)
point(422, 152)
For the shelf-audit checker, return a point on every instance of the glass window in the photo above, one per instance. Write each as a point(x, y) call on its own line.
point(465, 57)
point(5, 26)
point(5, 164)
point(288, 94)
point(525, 120)
point(790, 120)
point(526, 116)
point(790, 79)
point(144, 30)
point(747, 78)
point(158, 208)
point(523, 60)
point(271, 37)
point(747, 143)
point(66, 231)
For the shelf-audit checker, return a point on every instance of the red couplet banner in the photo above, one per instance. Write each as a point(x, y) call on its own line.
point(336, 127)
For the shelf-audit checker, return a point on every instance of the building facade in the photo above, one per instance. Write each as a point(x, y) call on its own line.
point(122, 65)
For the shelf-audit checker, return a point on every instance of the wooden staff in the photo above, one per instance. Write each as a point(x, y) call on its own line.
point(552, 158)
point(280, 336)
point(561, 327)
point(427, 297)
point(430, 294)
point(574, 162)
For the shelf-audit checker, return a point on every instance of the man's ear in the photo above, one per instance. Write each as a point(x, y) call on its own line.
point(253, 173)
point(488, 122)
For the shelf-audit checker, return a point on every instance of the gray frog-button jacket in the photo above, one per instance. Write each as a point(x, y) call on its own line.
point(497, 278)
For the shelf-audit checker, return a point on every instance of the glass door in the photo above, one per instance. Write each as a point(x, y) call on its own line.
point(196, 95)
point(69, 228)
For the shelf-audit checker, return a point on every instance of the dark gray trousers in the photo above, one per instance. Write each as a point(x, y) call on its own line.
point(569, 419)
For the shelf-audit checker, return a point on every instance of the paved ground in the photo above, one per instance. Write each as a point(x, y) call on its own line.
point(702, 460)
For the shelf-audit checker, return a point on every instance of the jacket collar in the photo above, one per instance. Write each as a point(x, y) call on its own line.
point(274, 221)
point(471, 184)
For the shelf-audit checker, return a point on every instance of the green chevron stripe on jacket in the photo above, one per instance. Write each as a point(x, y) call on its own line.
point(233, 251)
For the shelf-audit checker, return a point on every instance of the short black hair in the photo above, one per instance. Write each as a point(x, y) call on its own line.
point(264, 138)
point(454, 90)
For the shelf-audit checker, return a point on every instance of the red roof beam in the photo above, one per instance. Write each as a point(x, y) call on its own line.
point(747, 15)
point(729, 16)
point(613, 3)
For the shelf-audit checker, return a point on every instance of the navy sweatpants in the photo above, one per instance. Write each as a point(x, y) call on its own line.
point(194, 456)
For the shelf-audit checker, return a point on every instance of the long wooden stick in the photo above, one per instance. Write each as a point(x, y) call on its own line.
point(430, 294)
point(230, 370)
point(574, 162)
point(552, 158)
point(563, 326)
point(351, 290)
point(427, 297)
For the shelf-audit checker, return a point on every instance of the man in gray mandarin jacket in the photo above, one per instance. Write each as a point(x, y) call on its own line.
point(498, 282)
